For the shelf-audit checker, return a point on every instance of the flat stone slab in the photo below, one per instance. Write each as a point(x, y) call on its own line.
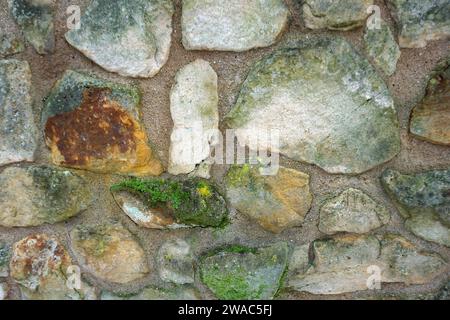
point(35, 195)
point(95, 125)
point(421, 21)
point(232, 25)
point(18, 132)
point(327, 103)
point(129, 37)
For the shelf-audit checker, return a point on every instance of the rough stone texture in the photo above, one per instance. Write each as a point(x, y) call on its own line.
point(40, 264)
point(18, 131)
point(4, 290)
point(110, 252)
point(423, 199)
point(239, 273)
point(35, 18)
point(4, 259)
point(129, 37)
point(10, 44)
point(421, 21)
point(176, 262)
point(194, 108)
point(95, 125)
point(153, 293)
point(345, 263)
point(35, 195)
point(274, 202)
point(171, 204)
point(232, 25)
point(430, 120)
point(335, 14)
point(328, 104)
point(382, 47)
point(352, 211)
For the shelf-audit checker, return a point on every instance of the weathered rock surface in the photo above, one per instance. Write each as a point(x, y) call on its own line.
point(18, 130)
point(194, 107)
point(40, 264)
point(352, 211)
point(110, 252)
point(129, 37)
point(171, 204)
point(232, 25)
point(275, 202)
point(4, 290)
point(430, 120)
point(346, 263)
point(335, 14)
point(327, 102)
point(10, 44)
point(4, 259)
point(239, 273)
point(423, 199)
point(421, 21)
point(35, 195)
point(176, 262)
point(35, 18)
point(382, 47)
point(153, 293)
point(95, 125)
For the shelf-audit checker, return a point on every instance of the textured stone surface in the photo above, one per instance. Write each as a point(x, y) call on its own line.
point(110, 252)
point(95, 125)
point(421, 21)
point(171, 204)
point(4, 290)
point(328, 104)
point(232, 25)
point(430, 120)
point(129, 37)
point(352, 211)
point(4, 259)
point(40, 264)
point(335, 14)
point(345, 264)
point(154, 293)
point(176, 262)
point(17, 128)
point(382, 47)
point(194, 107)
point(10, 44)
point(275, 202)
point(239, 273)
point(423, 199)
point(35, 18)
point(35, 195)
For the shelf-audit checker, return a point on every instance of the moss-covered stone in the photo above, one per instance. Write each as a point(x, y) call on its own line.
point(240, 273)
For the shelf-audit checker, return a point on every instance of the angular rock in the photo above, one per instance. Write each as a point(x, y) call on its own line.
point(421, 21)
point(274, 202)
point(232, 25)
point(129, 37)
point(95, 125)
point(39, 194)
point(18, 130)
point(110, 252)
point(327, 103)
point(431, 118)
point(239, 273)
point(4, 259)
point(352, 211)
point(10, 44)
point(382, 47)
point(154, 293)
point(35, 18)
point(171, 204)
point(423, 199)
point(176, 262)
point(41, 265)
point(335, 14)
point(346, 263)
point(194, 104)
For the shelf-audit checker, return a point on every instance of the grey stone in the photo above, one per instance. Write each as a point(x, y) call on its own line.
point(176, 262)
point(155, 293)
point(4, 290)
point(4, 259)
point(10, 44)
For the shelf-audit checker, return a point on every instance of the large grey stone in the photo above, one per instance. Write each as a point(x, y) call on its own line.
point(176, 262)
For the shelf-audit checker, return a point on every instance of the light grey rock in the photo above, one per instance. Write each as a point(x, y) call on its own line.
point(327, 103)
point(18, 132)
point(4, 290)
point(194, 107)
point(176, 262)
point(129, 37)
point(232, 25)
